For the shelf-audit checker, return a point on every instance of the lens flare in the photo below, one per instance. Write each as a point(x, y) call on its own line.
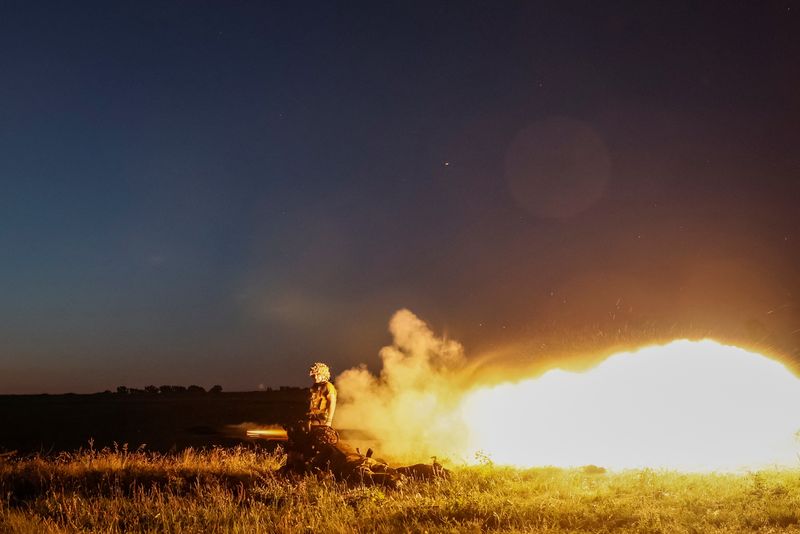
point(688, 405)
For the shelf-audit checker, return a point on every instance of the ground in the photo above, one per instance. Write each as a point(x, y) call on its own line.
point(237, 490)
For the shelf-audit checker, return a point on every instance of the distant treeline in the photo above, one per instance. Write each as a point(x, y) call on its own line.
point(181, 390)
point(168, 390)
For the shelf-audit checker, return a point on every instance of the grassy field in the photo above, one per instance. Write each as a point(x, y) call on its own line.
point(236, 490)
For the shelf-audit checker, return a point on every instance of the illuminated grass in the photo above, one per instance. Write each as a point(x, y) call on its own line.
point(236, 491)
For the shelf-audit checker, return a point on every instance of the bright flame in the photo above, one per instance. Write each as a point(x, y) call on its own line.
point(272, 434)
point(694, 406)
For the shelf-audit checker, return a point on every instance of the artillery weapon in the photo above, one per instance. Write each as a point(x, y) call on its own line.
point(316, 433)
point(269, 434)
point(314, 448)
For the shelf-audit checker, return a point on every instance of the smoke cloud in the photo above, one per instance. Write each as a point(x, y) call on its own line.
point(688, 405)
point(411, 407)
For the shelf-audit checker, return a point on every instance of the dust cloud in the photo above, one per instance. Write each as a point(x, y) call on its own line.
point(410, 409)
point(685, 405)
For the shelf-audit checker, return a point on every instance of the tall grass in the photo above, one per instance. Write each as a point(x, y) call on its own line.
point(238, 490)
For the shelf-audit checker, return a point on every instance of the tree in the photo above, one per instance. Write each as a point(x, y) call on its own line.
point(122, 390)
point(195, 389)
point(151, 389)
point(215, 389)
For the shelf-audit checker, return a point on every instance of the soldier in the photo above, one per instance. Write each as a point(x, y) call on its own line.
point(314, 446)
point(310, 440)
point(323, 396)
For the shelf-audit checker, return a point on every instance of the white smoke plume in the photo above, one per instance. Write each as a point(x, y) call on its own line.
point(411, 407)
point(688, 405)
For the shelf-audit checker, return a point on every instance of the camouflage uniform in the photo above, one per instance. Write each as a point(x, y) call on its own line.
point(322, 403)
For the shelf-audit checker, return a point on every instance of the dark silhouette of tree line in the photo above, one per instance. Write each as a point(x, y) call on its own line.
point(169, 390)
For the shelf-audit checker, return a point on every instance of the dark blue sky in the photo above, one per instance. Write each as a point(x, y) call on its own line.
point(200, 192)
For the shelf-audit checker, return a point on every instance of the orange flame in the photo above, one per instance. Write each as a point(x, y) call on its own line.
point(272, 434)
point(695, 406)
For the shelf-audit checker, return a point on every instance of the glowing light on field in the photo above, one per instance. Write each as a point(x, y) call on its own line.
point(686, 405)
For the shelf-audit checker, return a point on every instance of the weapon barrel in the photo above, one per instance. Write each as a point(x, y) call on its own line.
point(270, 434)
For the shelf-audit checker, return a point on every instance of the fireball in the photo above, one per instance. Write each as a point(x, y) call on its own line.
point(695, 406)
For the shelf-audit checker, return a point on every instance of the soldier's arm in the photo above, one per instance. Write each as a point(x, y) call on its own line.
point(331, 391)
point(331, 398)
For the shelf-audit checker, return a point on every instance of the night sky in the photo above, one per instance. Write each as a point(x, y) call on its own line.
point(199, 192)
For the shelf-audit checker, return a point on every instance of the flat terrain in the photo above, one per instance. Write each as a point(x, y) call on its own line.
point(55, 423)
point(237, 490)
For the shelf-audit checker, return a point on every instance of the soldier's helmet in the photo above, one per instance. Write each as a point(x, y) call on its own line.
point(320, 372)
